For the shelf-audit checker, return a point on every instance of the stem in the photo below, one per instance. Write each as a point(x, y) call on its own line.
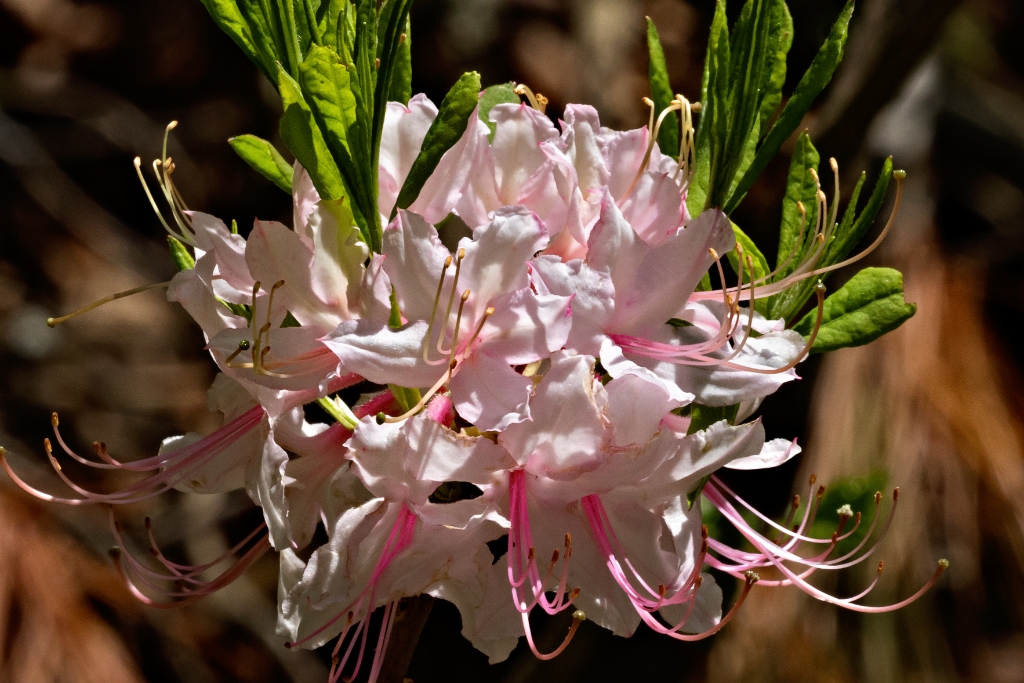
point(405, 637)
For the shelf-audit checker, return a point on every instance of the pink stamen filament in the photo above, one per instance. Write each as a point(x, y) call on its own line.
point(777, 557)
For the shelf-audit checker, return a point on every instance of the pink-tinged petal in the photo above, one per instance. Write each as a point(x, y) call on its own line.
point(463, 181)
point(338, 257)
point(489, 621)
point(406, 461)
point(615, 248)
point(383, 355)
point(375, 292)
point(654, 208)
point(617, 365)
point(189, 289)
point(696, 456)
point(635, 408)
point(593, 299)
point(496, 257)
point(548, 195)
point(668, 272)
point(623, 153)
point(296, 357)
point(401, 140)
point(379, 453)
point(584, 149)
point(715, 385)
point(516, 147)
point(490, 394)
point(265, 484)
point(304, 200)
point(774, 453)
point(414, 260)
point(275, 253)
point(525, 327)
point(566, 432)
point(234, 283)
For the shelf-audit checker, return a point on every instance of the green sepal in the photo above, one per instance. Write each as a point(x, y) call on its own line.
point(870, 305)
point(264, 158)
point(810, 86)
point(503, 93)
point(339, 410)
point(661, 92)
point(407, 398)
point(449, 125)
point(179, 254)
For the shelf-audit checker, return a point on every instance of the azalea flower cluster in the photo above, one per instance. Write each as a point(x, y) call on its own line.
point(532, 382)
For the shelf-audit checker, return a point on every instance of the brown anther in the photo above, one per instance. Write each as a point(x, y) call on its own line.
point(796, 502)
point(401, 39)
point(662, 590)
point(835, 537)
point(698, 581)
point(351, 618)
point(149, 523)
point(878, 497)
point(575, 594)
point(554, 556)
point(856, 518)
point(568, 540)
point(377, 63)
point(115, 553)
point(53, 420)
point(704, 531)
point(465, 296)
point(881, 566)
point(47, 446)
point(814, 478)
point(821, 491)
point(896, 494)
point(531, 554)
point(752, 577)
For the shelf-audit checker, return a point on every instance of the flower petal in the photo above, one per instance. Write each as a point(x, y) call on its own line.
point(490, 394)
point(383, 355)
point(401, 140)
point(414, 260)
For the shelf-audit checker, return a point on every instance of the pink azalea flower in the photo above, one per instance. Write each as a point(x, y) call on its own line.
point(492, 319)
point(397, 543)
point(590, 447)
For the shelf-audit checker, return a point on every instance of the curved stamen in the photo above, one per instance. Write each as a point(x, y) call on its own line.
point(53, 322)
point(433, 310)
point(451, 300)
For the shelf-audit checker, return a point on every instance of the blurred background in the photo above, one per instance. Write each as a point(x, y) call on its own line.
point(935, 408)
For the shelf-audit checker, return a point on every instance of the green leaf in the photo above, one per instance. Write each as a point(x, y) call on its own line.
point(179, 254)
point(502, 93)
point(810, 86)
point(301, 133)
point(265, 159)
point(230, 19)
point(449, 125)
point(749, 73)
point(661, 92)
point(800, 189)
point(401, 81)
point(782, 38)
point(712, 128)
point(868, 306)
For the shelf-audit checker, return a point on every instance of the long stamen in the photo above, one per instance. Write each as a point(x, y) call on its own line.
point(433, 311)
point(156, 209)
point(458, 323)
point(537, 101)
point(451, 300)
point(674, 106)
point(53, 322)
